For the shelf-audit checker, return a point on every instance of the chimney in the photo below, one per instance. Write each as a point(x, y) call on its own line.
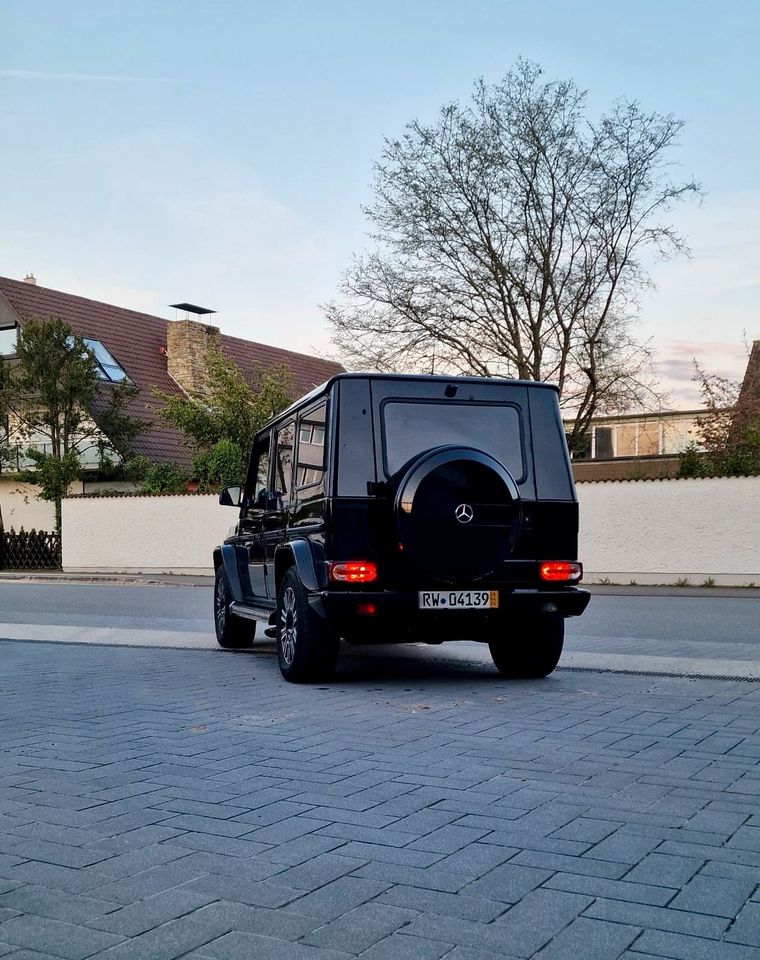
point(187, 342)
point(30, 278)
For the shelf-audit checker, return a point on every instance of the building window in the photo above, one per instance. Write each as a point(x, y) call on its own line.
point(603, 443)
point(108, 368)
point(8, 337)
point(312, 433)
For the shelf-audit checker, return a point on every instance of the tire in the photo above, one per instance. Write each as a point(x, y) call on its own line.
point(307, 650)
point(541, 643)
point(232, 633)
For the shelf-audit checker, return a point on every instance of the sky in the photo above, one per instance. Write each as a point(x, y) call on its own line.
point(219, 151)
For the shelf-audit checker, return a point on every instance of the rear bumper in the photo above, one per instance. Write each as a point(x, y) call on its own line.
point(349, 610)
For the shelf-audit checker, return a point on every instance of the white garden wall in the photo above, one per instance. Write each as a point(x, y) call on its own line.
point(650, 531)
point(661, 531)
point(173, 534)
point(21, 507)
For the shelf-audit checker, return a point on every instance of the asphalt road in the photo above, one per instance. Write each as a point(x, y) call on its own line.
point(712, 627)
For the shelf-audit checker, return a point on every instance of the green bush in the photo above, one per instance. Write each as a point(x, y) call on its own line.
point(165, 478)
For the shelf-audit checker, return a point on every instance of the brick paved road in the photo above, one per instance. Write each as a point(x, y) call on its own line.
point(163, 803)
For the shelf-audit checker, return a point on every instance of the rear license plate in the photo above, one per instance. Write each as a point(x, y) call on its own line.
point(458, 599)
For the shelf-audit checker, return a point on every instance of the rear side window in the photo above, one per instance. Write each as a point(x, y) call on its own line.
point(411, 427)
point(310, 469)
point(283, 470)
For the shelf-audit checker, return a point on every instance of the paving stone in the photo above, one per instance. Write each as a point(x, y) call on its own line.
point(385, 854)
point(678, 946)
point(558, 862)
point(586, 829)
point(541, 914)
point(245, 946)
point(623, 847)
point(361, 927)
point(171, 940)
point(318, 871)
point(448, 839)
point(137, 918)
point(746, 929)
point(507, 883)
point(613, 889)
point(283, 831)
point(60, 854)
point(228, 846)
point(301, 849)
point(146, 883)
point(663, 870)
point(473, 953)
point(223, 916)
point(657, 918)
point(713, 895)
point(55, 904)
point(73, 942)
point(446, 904)
point(334, 899)
point(68, 879)
point(590, 939)
point(13, 954)
point(264, 893)
point(400, 947)
point(135, 861)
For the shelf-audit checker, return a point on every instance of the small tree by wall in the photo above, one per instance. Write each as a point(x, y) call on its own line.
point(57, 407)
point(729, 432)
point(220, 420)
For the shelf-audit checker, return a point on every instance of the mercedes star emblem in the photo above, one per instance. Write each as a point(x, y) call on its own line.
point(464, 513)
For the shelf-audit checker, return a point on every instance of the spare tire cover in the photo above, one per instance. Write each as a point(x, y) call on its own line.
point(457, 513)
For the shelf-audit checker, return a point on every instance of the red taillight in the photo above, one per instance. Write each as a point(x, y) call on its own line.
point(366, 609)
point(560, 570)
point(353, 571)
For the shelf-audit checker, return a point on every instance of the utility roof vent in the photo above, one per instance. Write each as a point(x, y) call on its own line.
point(192, 308)
point(30, 278)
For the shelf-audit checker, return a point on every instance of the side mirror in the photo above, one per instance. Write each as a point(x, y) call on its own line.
point(230, 496)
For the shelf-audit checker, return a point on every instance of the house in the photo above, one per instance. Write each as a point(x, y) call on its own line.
point(622, 446)
point(647, 445)
point(152, 352)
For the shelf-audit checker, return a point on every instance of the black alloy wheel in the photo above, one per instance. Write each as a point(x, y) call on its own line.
point(307, 650)
point(232, 632)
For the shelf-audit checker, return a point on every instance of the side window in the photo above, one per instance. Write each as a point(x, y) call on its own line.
point(310, 469)
point(257, 486)
point(283, 470)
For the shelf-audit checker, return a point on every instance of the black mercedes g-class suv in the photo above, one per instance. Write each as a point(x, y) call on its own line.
point(389, 508)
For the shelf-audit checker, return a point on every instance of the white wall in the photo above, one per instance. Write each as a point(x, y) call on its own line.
point(174, 534)
point(660, 531)
point(651, 531)
point(21, 508)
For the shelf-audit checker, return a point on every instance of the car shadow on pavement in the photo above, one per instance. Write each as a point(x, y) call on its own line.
point(452, 663)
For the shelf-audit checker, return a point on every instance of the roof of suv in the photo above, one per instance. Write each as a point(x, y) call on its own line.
point(433, 377)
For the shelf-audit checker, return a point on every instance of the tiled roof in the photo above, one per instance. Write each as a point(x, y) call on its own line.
point(135, 341)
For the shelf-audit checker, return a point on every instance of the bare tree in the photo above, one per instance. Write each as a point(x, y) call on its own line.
point(510, 235)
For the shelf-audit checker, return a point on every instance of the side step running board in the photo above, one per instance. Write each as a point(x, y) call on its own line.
point(247, 613)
